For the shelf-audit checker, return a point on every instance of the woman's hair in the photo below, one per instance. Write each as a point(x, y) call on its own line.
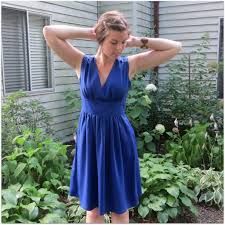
point(111, 20)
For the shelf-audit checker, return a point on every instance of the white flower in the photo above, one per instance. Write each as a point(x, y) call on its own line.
point(217, 134)
point(211, 117)
point(176, 122)
point(215, 126)
point(190, 122)
point(151, 87)
point(206, 135)
point(160, 128)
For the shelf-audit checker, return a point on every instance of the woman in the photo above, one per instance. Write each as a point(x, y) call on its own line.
point(105, 174)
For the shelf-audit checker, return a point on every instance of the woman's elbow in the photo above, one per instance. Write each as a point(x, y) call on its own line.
point(46, 30)
point(179, 46)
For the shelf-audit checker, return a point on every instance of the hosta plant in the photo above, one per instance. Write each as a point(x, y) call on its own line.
point(210, 188)
point(28, 203)
point(165, 189)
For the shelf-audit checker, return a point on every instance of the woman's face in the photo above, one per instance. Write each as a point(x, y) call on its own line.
point(114, 43)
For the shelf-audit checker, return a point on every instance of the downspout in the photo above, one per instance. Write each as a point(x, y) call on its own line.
point(156, 32)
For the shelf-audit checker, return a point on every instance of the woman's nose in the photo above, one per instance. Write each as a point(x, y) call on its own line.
point(119, 46)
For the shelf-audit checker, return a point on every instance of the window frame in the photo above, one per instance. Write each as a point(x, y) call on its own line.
point(49, 54)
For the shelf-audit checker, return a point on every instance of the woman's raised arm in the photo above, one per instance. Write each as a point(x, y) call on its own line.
point(57, 37)
point(160, 51)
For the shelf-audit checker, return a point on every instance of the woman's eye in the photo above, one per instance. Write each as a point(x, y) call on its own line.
point(114, 43)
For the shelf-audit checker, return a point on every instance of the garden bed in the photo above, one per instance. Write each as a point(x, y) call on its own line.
point(206, 214)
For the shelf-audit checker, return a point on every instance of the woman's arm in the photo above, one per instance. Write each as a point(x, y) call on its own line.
point(160, 51)
point(56, 37)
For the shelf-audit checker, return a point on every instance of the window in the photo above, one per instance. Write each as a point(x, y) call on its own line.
point(220, 61)
point(26, 57)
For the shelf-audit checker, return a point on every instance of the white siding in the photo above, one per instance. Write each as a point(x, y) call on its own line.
point(187, 21)
point(70, 13)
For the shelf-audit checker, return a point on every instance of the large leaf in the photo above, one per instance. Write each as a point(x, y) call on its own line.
point(10, 196)
point(172, 212)
point(162, 217)
point(135, 113)
point(173, 190)
point(19, 169)
point(143, 211)
point(53, 218)
point(32, 209)
point(186, 201)
point(170, 200)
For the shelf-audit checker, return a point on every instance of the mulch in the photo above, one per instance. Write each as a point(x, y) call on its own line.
point(206, 214)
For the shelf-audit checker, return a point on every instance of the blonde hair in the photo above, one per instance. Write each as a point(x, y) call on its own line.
point(111, 20)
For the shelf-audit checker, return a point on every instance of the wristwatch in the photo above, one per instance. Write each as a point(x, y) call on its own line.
point(144, 42)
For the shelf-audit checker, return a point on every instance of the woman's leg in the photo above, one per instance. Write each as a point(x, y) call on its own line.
point(94, 217)
point(120, 218)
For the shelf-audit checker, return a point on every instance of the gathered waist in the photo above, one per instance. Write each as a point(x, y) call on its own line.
point(106, 108)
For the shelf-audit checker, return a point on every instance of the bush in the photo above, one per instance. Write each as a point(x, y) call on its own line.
point(37, 159)
point(210, 187)
point(17, 115)
point(200, 146)
point(26, 203)
point(190, 90)
point(165, 189)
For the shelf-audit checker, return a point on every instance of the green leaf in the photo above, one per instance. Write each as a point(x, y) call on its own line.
point(170, 200)
point(143, 211)
point(145, 201)
point(7, 206)
point(162, 217)
point(19, 169)
point(173, 190)
point(148, 138)
point(194, 210)
point(186, 201)
point(187, 192)
point(10, 196)
point(217, 197)
point(135, 113)
point(32, 209)
point(172, 212)
point(144, 173)
point(155, 207)
point(53, 218)
point(163, 176)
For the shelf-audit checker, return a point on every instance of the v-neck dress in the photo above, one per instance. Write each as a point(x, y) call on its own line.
point(105, 171)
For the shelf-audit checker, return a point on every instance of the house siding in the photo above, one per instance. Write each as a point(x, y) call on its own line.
point(187, 22)
point(70, 13)
point(180, 21)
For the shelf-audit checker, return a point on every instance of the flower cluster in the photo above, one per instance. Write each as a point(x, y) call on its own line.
point(151, 88)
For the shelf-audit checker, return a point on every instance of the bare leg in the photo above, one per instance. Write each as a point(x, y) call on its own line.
point(94, 217)
point(120, 218)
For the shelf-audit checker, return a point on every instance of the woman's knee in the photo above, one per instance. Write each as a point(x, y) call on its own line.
point(94, 213)
point(122, 215)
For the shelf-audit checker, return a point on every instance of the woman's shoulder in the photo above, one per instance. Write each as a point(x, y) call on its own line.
point(123, 59)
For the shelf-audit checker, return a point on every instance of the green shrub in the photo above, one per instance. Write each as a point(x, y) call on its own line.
point(26, 203)
point(38, 159)
point(190, 90)
point(75, 213)
point(210, 188)
point(165, 189)
point(139, 110)
point(19, 114)
point(196, 147)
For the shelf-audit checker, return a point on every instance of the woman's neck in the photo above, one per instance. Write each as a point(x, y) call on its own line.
point(102, 59)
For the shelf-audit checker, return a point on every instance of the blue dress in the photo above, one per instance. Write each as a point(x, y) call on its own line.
point(105, 171)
